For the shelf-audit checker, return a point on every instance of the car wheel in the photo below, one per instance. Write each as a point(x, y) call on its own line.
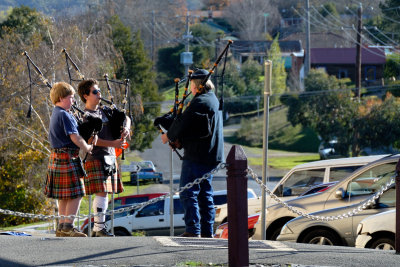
point(321, 237)
point(383, 243)
point(120, 232)
point(275, 233)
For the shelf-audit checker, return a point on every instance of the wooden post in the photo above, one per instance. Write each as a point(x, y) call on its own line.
point(238, 244)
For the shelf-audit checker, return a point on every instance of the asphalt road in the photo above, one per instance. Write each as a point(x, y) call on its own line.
point(47, 250)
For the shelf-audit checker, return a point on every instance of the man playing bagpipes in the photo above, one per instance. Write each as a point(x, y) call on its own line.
point(65, 171)
point(103, 176)
point(199, 130)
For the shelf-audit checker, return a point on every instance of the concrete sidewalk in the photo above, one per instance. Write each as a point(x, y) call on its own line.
point(47, 250)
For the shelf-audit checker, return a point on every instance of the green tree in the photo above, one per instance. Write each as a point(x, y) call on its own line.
point(251, 71)
point(278, 84)
point(138, 68)
point(25, 22)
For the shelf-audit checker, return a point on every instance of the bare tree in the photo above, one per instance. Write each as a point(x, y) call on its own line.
point(252, 17)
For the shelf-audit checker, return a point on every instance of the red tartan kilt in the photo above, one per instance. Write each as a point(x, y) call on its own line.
point(64, 176)
point(97, 182)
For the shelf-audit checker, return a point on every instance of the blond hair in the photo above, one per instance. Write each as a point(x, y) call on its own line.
point(60, 90)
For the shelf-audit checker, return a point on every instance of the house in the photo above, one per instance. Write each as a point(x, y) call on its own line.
point(341, 62)
point(258, 50)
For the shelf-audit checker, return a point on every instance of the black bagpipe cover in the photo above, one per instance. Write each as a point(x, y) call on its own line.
point(117, 119)
point(165, 121)
point(90, 125)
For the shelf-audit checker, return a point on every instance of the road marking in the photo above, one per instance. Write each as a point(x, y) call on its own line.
point(265, 245)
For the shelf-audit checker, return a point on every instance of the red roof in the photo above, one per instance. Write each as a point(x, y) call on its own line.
point(347, 56)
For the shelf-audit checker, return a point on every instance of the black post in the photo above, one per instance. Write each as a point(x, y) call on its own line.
point(397, 185)
point(238, 244)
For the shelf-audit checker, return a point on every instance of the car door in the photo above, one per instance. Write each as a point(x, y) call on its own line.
point(150, 217)
point(362, 185)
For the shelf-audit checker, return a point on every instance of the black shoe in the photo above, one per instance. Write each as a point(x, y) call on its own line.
point(207, 236)
point(102, 233)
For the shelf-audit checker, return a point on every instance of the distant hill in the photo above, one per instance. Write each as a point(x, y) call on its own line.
point(51, 7)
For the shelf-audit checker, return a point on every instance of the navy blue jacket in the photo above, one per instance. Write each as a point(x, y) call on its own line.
point(200, 130)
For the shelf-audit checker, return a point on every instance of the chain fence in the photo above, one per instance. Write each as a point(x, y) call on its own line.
point(363, 205)
point(135, 206)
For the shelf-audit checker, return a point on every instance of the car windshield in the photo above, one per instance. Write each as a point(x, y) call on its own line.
point(371, 180)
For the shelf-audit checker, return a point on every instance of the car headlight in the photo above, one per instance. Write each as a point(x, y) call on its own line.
point(359, 228)
point(286, 230)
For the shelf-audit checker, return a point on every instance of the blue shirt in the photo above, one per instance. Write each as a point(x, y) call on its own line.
point(62, 124)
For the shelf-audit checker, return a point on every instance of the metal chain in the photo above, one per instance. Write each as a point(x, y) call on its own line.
point(363, 205)
point(136, 206)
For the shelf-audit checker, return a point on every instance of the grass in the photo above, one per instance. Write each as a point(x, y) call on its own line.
point(284, 162)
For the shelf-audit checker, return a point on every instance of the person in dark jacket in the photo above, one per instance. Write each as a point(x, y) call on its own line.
point(199, 130)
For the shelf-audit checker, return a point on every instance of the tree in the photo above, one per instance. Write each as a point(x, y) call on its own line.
point(247, 17)
point(137, 67)
point(24, 21)
point(279, 74)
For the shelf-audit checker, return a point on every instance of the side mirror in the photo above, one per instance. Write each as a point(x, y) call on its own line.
point(339, 193)
point(278, 191)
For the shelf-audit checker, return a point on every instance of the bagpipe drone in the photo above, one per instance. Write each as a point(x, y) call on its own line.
point(164, 122)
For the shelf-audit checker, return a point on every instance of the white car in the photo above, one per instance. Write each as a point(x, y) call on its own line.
point(377, 231)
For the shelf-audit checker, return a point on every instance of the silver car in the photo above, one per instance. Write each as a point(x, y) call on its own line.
point(357, 187)
point(340, 232)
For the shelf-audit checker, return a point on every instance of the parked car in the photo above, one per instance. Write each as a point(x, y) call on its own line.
point(222, 230)
point(221, 209)
point(134, 199)
point(340, 232)
point(319, 188)
point(377, 231)
point(124, 201)
point(153, 219)
point(302, 177)
point(147, 172)
point(355, 188)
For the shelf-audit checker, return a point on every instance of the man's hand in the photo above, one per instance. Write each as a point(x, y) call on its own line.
point(164, 138)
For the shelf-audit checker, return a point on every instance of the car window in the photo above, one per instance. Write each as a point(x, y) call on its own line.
point(301, 181)
point(136, 200)
point(154, 209)
point(117, 202)
point(371, 180)
point(178, 209)
point(388, 199)
point(339, 173)
point(220, 199)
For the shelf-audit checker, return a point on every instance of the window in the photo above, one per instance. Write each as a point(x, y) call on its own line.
point(300, 181)
point(343, 73)
point(388, 199)
point(136, 200)
point(370, 73)
point(339, 173)
point(154, 209)
point(178, 209)
point(371, 180)
point(220, 199)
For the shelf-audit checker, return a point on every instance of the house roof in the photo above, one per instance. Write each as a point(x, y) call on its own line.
point(347, 56)
point(321, 39)
point(263, 46)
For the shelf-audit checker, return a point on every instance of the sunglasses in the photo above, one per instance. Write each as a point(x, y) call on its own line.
point(95, 91)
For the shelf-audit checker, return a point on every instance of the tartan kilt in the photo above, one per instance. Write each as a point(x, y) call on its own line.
point(97, 182)
point(64, 175)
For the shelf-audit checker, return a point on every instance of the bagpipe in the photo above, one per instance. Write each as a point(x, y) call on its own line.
point(88, 125)
point(117, 117)
point(165, 121)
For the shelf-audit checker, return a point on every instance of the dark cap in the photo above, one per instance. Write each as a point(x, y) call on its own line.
point(199, 74)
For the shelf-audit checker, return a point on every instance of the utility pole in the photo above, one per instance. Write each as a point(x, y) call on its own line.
point(358, 56)
point(187, 57)
point(152, 36)
point(307, 64)
point(216, 69)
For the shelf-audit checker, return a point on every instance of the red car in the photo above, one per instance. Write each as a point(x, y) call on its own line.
point(222, 230)
point(123, 201)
